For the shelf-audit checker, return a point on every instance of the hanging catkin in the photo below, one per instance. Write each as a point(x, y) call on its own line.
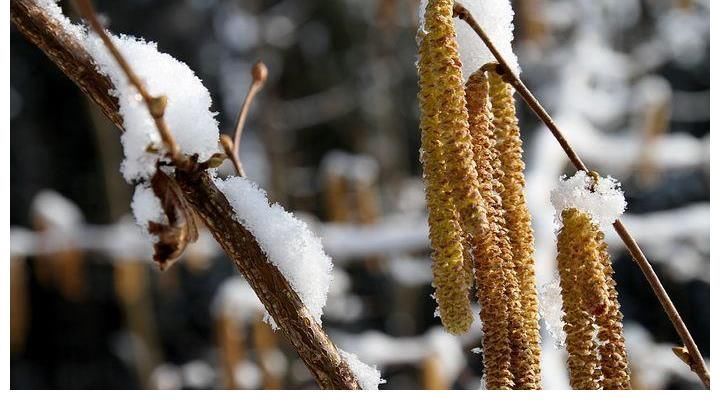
point(444, 128)
point(517, 216)
point(577, 261)
point(442, 96)
point(496, 284)
point(613, 357)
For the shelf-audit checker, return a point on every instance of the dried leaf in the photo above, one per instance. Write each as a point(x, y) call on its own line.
point(181, 228)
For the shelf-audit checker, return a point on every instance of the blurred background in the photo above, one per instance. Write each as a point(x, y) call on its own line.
point(334, 137)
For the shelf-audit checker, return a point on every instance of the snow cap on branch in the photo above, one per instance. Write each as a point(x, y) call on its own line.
point(368, 376)
point(495, 17)
point(287, 242)
point(187, 113)
point(604, 202)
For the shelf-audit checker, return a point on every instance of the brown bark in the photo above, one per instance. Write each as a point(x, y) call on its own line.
point(70, 56)
point(307, 337)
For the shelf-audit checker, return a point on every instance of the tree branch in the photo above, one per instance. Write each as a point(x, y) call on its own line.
point(65, 51)
point(307, 337)
point(696, 362)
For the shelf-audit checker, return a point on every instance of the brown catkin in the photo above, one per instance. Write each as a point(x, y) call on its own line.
point(497, 287)
point(578, 261)
point(613, 356)
point(442, 96)
point(438, 60)
point(517, 217)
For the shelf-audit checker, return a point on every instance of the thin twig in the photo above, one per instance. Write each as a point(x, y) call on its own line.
point(259, 76)
point(228, 146)
point(695, 360)
point(156, 105)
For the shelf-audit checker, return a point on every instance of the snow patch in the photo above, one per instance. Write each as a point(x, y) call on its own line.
point(605, 203)
point(368, 376)
point(287, 242)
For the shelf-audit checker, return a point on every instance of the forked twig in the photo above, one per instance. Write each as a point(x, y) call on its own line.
point(694, 358)
point(156, 105)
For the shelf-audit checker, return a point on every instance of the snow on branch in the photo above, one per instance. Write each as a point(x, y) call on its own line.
point(287, 242)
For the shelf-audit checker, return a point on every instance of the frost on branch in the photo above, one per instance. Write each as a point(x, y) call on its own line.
point(286, 241)
point(496, 19)
point(368, 376)
point(604, 202)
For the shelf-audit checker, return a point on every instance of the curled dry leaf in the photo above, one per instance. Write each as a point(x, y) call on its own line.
point(181, 228)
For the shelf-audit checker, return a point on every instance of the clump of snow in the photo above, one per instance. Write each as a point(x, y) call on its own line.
point(56, 212)
point(551, 310)
point(286, 241)
point(605, 203)
point(187, 113)
point(495, 17)
point(368, 376)
point(476, 350)
point(53, 10)
point(146, 207)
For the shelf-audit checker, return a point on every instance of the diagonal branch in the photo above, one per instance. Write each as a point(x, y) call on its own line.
point(695, 359)
point(308, 338)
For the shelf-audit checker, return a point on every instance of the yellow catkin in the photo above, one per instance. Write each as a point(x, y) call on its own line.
point(613, 356)
point(578, 265)
point(442, 96)
point(497, 287)
point(441, 126)
point(517, 216)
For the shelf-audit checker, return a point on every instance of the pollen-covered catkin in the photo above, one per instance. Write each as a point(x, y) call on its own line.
point(443, 127)
point(497, 287)
point(577, 261)
point(517, 217)
point(442, 95)
point(613, 356)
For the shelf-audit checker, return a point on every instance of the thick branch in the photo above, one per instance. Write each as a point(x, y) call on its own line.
point(310, 341)
point(293, 318)
point(65, 51)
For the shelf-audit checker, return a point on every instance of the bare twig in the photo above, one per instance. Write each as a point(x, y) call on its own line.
point(308, 338)
point(695, 359)
point(156, 105)
point(259, 76)
point(232, 146)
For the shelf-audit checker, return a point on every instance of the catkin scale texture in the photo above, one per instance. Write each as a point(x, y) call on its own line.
point(442, 129)
point(578, 261)
point(442, 95)
point(517, 217)
point(613, 356)
point(497, 288)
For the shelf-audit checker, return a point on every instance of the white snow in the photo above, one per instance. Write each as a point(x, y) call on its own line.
point(495, 17)
point(551, 310)
point(187, 114)
point(368, 376)
point(604, 204)
point(285, 240)
point(146, 207)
